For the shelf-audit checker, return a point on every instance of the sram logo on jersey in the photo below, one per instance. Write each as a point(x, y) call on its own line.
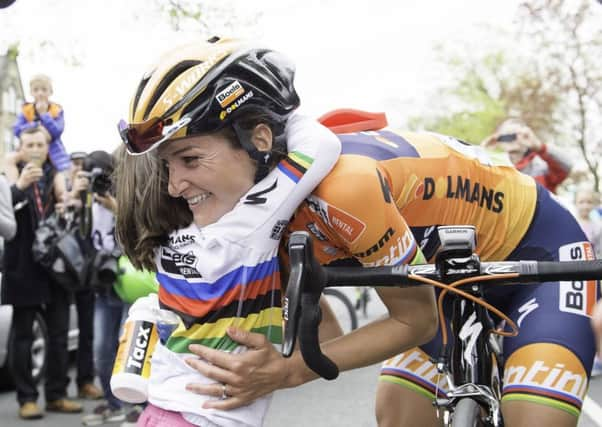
point(229, 94)
point(577, 296)
point(400, 250)
point(179, 264)
point(374, 248)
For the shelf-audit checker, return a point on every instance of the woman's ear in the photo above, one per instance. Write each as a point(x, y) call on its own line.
point(262, 137)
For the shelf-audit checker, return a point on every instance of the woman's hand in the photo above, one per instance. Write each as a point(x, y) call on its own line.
point(246, 376)
point(527, 138)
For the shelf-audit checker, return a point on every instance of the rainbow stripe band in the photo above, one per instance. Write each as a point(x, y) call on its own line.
point(407, 384)
point(295, 165)
point(541, 400)
point(417, 383)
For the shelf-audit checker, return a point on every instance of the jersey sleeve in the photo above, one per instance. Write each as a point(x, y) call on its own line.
point(360, 209)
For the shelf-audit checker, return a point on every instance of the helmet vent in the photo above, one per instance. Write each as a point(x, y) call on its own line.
point(174, 73)
point(141, 87)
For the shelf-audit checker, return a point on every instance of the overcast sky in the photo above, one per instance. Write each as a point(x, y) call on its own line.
point(375, 55)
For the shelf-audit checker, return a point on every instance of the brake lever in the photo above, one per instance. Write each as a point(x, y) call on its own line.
point(301, 306)
point(291, 310)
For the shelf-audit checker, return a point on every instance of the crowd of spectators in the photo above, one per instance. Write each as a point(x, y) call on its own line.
point(41, 180)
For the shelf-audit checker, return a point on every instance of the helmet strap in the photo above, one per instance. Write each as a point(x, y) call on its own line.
point(262, 158)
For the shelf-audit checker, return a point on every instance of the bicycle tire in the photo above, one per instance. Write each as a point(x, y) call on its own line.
point(365, 297)
point(466, 414)
point(349, 308)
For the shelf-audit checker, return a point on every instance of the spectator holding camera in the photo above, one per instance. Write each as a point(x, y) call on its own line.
point(46, 115)
point(529, 154)
point(36, 186)
point(92, 186)
point(84, 303)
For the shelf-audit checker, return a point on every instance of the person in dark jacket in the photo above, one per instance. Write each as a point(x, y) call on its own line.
point(35, 189)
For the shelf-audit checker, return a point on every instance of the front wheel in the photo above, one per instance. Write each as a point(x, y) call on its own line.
point(466, 414)
point(343, 309)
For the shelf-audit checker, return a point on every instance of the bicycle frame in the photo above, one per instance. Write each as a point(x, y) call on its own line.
point(472, 369)
point(470, 365)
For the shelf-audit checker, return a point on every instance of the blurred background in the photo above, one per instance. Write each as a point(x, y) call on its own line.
point(454, 67)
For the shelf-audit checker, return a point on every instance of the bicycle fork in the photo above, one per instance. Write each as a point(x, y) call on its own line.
point(474, 371)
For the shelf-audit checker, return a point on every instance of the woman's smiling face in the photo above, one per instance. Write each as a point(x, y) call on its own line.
point(209, 173)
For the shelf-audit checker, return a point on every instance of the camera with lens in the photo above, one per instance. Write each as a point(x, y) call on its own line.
point(104, 269)
point(99, 166)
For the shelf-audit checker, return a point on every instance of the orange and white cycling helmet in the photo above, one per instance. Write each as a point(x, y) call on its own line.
point(203, 87)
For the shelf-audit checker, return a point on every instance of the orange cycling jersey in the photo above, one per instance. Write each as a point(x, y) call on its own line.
point(389, 191)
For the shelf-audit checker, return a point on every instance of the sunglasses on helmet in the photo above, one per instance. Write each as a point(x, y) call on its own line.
point(140, 138)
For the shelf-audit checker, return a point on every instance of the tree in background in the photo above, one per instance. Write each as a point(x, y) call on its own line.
point(207, 18)
point(490, 87)
point(567, 36)
point(551, 76)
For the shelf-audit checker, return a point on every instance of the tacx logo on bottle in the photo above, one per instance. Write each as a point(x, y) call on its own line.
point(136, 348)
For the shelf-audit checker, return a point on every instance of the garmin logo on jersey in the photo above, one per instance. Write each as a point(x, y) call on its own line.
point(224, 113)
point(374, 248)
point(577, 296)
point(181, 240)
point(463, 188)
point(256, 199)
point(228, 95)
point(180, 264)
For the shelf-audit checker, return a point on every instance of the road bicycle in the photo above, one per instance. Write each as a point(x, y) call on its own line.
point(470, 363)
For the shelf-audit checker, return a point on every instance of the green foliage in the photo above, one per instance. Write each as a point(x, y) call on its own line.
point(13, 51)
point(469, 126)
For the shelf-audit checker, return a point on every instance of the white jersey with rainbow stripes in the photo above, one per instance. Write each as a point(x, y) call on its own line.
point(227, 273)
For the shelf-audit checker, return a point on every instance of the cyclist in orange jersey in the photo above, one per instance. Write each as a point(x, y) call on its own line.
point(218, 160)
point(381, 205)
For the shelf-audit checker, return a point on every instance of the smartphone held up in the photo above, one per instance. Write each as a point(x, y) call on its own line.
point(37, 160)
point(506, 137)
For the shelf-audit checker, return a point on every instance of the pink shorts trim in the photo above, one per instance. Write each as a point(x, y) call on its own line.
point(153, 416)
